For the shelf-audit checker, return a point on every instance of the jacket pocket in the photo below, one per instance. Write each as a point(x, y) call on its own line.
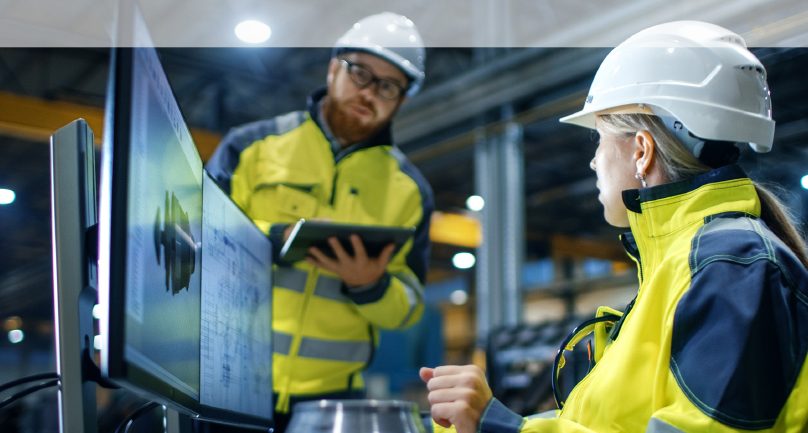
point(290, 202)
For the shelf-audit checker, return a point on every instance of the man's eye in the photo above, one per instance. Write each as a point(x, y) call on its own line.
point(361, 73)
point(386, 86)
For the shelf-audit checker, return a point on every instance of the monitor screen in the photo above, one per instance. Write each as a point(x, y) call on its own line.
point(164, 233)
point(184, 274)
point(236, 335)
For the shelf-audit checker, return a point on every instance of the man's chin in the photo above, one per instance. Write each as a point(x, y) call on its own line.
point(350, 126)
point(356, 128)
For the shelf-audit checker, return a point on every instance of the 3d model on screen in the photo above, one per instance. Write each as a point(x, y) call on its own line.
point(178, 243)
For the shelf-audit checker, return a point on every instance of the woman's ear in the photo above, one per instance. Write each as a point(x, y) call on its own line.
point(644, 152)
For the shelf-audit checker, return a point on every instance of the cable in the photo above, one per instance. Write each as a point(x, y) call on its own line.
point(32, 378)
point(27, 391)
point(128, 421)
point(557, 364)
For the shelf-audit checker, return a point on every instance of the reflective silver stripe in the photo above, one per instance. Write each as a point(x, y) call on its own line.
point(550, 414)
point(288, 122)
point(290, 278)
point(412, 287)
point(348, 351)
point(281, 342)
point(329, 288)
point(728, 224)
point(658, 426)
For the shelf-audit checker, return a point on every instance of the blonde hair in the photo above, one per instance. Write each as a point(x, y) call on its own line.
point(677, 163)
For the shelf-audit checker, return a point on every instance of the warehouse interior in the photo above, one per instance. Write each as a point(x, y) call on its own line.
point(499, 75)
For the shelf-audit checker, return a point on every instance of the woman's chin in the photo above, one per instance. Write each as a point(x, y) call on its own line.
point(620, 220)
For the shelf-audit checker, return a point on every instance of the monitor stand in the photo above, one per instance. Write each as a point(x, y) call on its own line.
point(175, 422)
point(74, 214)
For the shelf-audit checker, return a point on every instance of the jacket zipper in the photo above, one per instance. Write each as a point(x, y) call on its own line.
point(334, 186)
point(633, 252)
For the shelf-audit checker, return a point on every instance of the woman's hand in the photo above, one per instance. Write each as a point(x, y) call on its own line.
point(458, 394)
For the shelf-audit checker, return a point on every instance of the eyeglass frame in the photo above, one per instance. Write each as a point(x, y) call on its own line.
point(373, 79)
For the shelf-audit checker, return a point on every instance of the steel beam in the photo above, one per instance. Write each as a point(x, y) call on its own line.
point(508, 79)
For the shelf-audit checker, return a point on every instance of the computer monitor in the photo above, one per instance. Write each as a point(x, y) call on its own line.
point(184, 275)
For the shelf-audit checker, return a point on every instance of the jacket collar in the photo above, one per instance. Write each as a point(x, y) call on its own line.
point(382, 138)
point(664, 209)
point(634, 198)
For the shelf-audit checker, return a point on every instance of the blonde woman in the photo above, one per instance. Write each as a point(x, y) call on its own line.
point(716, 339)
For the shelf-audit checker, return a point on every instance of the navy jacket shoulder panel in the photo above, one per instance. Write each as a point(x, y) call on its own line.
point(226, 157)
point(418, 258)
point(736, 351)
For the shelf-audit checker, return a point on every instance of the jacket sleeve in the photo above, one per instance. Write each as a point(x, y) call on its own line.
point(396, 301)
point(738, 348)
point(499, 419)
point(224, 161)
point(226, 168)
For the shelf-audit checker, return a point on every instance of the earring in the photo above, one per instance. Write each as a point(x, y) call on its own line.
point(641, 178)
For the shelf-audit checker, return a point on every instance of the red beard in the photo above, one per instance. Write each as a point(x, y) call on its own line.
point(344, 124)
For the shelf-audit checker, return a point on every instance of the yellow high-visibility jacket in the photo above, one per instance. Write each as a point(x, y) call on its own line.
point(717, 337)
point(281, 170)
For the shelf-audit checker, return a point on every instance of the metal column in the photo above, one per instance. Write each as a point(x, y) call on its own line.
point(513, 222)
point(499, 179)
point(488, 267)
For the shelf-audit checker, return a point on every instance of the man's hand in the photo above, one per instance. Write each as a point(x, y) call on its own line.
point(458, 394)
point(287, 232)
point(357, 270)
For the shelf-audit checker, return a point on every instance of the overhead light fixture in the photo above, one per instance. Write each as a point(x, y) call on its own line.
point(804, 182)
point(475, 203)
point(15, 336)
point(463, 260)
point(6, 196)
point(98, 342)
point(253, 32)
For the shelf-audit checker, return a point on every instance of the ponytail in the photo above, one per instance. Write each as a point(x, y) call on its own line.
point(779, 218)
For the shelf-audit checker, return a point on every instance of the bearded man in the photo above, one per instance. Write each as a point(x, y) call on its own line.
point(337, 161)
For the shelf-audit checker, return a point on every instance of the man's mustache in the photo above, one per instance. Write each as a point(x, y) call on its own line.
point(363, 102)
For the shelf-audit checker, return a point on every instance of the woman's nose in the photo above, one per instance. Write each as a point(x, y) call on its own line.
point(592, 164)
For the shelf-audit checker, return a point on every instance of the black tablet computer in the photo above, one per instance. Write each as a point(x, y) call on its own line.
point(307, 234)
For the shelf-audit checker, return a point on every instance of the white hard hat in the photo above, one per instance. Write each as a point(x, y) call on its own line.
point(392, 37)
point(697, 73)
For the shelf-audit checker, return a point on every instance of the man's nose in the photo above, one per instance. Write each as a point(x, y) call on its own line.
point(368, 93)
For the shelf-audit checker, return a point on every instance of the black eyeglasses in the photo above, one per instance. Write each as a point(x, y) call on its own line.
point(363, 78)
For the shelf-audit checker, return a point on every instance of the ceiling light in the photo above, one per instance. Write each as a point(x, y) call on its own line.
point(96, 311)
point(459, 297)
point(253, 32)
point(15, 336)
point(98, 343)
point(463, 260)
point(7, 196)
point(804, 182)
point(475, 203)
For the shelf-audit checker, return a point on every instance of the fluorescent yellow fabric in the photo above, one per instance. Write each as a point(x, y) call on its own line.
point(283, 178)
point(632, 387)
